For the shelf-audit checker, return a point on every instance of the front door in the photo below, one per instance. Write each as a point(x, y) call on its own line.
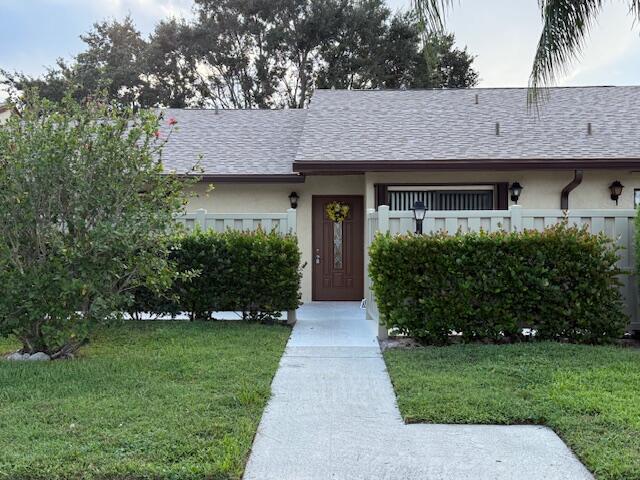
point(338, 250)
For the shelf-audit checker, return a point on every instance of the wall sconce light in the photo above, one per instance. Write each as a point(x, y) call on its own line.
point(293, 200)
point(516, 191)
point(616, 190)
point(419, 212)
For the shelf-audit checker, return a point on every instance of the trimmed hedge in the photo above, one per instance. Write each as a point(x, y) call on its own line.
point(257, 273)
point(489, 286)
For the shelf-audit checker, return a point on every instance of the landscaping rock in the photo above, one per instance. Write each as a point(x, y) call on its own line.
point(16, 356)
point(38, 357)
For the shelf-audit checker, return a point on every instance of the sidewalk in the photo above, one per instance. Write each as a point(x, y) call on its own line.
point(333, 415)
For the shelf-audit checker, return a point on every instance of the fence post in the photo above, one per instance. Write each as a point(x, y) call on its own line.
point(383, 226)
point(383, 218)
point(367, 281)
point(200, 219)
point(291, 220)
point(370, 211)
point(291, 228)
point(516, 217)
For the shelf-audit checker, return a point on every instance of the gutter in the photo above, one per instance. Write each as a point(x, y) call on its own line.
point(564, 196)
point(252, 178)
point(361, 166)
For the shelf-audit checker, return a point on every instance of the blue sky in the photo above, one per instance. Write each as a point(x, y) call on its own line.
point(502, 33)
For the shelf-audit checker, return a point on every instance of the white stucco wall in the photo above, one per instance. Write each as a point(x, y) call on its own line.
point(541, 190)
point(267, 198)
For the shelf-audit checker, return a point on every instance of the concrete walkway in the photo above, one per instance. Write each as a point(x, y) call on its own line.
point(333, 415)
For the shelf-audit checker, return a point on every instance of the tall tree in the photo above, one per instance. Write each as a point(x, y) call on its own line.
point(265, 52)
point(170, 69)
point(442, 65)
point(257, 54)
point(232, 39)
point(112, 62)
point(565, 27)
point(392, 54)
point(354, 57)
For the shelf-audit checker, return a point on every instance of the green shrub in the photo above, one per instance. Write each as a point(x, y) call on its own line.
point(489, 286)
point(256, 273)
point(84, 216)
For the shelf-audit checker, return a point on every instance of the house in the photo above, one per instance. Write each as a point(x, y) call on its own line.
point(451, 149)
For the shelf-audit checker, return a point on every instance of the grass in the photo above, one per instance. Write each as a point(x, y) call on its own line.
point(589, 395)
point(145, 400)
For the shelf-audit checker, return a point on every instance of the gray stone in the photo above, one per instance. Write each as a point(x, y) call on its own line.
point(333, 415)
point(39, 357)
point(16, 356)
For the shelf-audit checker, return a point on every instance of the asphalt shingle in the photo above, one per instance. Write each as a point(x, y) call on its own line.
point(407, 125)
point(449, 124)
point(233, 142)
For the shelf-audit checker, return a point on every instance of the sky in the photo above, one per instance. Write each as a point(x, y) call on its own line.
point(501, 33)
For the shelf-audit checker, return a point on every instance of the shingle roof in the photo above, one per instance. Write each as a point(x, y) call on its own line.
point(448, 124)
point(409, 125)
point(234, 142)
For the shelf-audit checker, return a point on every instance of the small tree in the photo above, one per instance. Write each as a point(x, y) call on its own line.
point(84, 218)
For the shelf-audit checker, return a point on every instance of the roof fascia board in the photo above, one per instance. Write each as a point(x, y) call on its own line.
point(294, 178)
point(307, 167)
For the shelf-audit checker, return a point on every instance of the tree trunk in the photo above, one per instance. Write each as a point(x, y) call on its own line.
point(304, 80)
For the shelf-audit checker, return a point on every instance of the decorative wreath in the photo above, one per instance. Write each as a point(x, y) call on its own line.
point(337, 212)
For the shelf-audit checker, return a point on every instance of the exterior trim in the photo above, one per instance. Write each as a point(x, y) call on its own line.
point(502, 196)
point(464, 164)
point(293, 178)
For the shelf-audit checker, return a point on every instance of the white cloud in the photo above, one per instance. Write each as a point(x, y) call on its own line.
point(613, 38)
point(144, 12)
point(504, 34)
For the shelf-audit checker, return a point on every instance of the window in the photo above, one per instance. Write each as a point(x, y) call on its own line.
point(476, 197)
point(636, 197)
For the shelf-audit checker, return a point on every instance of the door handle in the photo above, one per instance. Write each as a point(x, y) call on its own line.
point(317, 257)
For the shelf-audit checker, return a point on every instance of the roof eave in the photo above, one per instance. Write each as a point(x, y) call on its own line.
point(361, 166)
point(249, 178)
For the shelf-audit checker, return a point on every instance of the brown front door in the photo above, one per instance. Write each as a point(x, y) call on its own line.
point(338, 250)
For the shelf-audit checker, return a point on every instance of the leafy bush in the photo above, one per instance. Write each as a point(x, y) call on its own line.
point(256, 273)
point(489, 286)
point(84, 216)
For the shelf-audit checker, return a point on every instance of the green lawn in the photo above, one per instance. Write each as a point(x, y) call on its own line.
point(147, 400)
point(589, 395)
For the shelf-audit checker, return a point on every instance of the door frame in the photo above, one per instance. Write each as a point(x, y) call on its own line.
point(314, 227)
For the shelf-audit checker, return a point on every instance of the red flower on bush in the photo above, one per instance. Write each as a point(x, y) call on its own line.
point(172, 121)
point(157, 133)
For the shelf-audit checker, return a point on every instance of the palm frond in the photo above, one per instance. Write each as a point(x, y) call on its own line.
point(566, 24)
point(634, 9)
point(432, 13)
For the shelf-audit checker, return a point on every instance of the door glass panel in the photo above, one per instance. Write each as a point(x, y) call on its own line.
point(337, 245)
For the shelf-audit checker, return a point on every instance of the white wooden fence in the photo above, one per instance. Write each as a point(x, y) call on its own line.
point(616, 223)
point(281, 222)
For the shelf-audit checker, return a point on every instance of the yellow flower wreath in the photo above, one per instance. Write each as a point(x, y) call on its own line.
point(337, 212)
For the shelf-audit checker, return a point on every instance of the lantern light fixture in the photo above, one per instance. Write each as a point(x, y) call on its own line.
point(419, 212)
point(293, 200)
point(516, 191)
point(616, 190)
